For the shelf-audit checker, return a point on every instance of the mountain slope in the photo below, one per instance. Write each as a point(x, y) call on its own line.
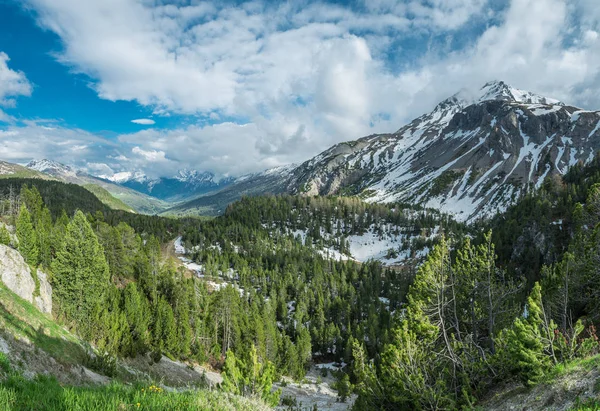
point(107, 198)
point(10, 170)
point(472, 156)
point(138, 201)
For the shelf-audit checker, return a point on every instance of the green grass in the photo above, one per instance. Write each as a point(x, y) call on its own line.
point(107, 198)
point(21, 319)
point(45, 393)
point(562, 369)
point(592, 404)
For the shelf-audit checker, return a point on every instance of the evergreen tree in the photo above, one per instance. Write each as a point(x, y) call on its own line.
point(530, 342)
point(137, 313)
point(4, 235)
point(249, 377)
point(80, 272)
point(165, 330)
point(28, 245)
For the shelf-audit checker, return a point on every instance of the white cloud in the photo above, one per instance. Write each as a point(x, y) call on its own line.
point(304, 77)
point(12, 84)
point(21, 144)
point(143, 121)
point(150, 155)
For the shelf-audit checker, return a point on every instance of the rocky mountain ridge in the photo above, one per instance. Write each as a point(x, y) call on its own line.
point(472, 156)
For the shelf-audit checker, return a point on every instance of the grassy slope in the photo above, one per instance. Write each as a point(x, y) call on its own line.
point(22, 320)
point(45, 393)
point(22, 323)
point(140, 202)
point(574, 386)
point(107, 198)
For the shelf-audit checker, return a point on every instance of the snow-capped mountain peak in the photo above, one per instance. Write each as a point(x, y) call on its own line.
point(124, 176)
point(499, 90)
point(51, 167)
point(194, 176)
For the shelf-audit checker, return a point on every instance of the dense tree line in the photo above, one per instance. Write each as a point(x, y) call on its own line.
point(59, 198)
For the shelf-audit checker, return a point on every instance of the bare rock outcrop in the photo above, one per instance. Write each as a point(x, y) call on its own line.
point(17, 276)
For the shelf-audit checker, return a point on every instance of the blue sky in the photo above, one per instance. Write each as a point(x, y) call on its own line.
point(238, 87)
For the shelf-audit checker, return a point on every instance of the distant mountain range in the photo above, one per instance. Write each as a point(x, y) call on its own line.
point(137, 201)
point(184, 185)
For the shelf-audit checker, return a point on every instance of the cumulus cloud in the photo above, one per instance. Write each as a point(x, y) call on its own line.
point(12, 84)
point(304, 78)
point(144, 121)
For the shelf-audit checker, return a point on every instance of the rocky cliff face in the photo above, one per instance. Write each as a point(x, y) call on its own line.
point(17, 276)
point(472, 156)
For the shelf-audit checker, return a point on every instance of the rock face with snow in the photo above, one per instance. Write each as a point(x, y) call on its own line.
point(16, 275)
point(472, 156)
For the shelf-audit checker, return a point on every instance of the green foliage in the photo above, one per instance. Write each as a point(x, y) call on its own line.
point(441, 183)
point(249, 377)
point(4, 364)
point(165, 331)
point(104, 364)
point(4, 235)
point(80, 272)
point(529, 343)
point(343, 387)
point(46, 394)
point(28, 245)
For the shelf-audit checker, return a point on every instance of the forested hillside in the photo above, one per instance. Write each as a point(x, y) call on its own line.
point(478, 315)
point(434, 316)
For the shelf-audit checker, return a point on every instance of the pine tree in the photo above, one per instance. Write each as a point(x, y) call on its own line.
point(137, 312)
point(80, 272)
point(43, 229)
point(529, 343)
point(249, 377)
point(165, 329)
point(28, 246)
point(4, 235)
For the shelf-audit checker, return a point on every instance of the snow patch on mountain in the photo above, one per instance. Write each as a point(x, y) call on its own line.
point(49, 166)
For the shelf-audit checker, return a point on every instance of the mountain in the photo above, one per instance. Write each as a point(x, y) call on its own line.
point(138, 201)
point(472, 156)
point(272, 181)
point(10, 170)
point(184, 185)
